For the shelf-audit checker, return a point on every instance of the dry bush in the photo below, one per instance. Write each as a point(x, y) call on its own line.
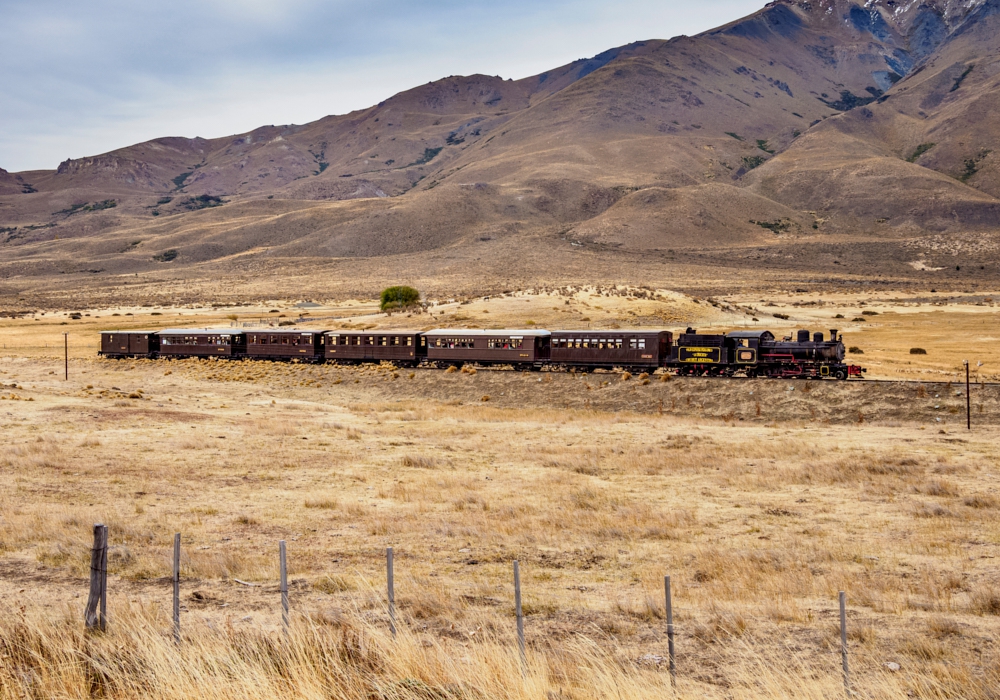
point(931, 510)
point(38, 454)
point(416, 461)
point(925, 649)
point(322, 503)
point(332, 585)
point(942, 628)
point(981, 501)
point(985, 600)
point(940, 487)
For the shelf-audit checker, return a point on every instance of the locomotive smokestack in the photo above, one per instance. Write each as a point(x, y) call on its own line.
point(833, 334)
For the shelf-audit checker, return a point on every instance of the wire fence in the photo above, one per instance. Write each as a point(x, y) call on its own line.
point(96, 618)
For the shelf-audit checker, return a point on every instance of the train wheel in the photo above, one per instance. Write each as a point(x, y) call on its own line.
point(840, 374)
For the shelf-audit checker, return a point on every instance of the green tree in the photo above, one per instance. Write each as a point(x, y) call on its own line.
point(399, 298)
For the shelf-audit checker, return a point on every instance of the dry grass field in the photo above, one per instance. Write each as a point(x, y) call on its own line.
point(762, 499)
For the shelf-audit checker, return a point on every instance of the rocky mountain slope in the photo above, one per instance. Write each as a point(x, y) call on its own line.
point(794, 138)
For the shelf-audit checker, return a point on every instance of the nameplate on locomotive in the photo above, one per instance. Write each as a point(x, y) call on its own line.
point(700, 355)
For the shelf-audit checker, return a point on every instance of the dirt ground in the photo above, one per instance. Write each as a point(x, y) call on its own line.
point(760, 498)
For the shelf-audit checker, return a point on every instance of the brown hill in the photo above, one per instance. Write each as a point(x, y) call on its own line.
point(920, 158)
point(789, 139)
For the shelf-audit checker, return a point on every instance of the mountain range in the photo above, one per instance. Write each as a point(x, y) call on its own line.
point(814, 140)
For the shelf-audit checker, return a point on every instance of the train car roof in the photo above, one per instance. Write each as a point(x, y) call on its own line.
point(202, 331)
point(285, 329)
point(617, 331)
point(373, 331)
point(750, 334)
point(478, 333)
point(124, 331)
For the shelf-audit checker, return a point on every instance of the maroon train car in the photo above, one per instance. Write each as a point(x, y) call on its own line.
point(400, 346)
point(286, 344)
point(527, 349)
point(129, 344)
point(630, 349)
point(203, 342)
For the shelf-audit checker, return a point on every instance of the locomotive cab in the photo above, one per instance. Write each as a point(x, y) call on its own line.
point(744, 346)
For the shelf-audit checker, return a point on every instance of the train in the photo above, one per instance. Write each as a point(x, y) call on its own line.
point(745, 353)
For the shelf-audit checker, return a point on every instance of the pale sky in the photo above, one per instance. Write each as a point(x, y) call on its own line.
point(83, 77)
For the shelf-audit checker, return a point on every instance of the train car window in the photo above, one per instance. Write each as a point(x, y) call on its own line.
point(284, 340)
point(618, 343)
point(409, 341)
point(383, 340)
point(642, 343)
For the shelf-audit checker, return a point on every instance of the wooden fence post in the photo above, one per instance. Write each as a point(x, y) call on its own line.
point(177, 588)
point(285, 621)
point(670, 632)
point(520, 615)
point(390, 583)
point(96, 614)
point(843, 643)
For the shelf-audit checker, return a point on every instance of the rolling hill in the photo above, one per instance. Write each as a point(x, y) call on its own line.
point(820, 140)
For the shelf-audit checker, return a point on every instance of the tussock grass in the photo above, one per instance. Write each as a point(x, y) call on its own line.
point(53, 658)
point(759, 519)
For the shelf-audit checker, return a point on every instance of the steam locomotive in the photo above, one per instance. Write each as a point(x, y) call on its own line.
point(741, 353)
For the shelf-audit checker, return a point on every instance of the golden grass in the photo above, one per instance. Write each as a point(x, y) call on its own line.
point(338, 655)
point(760, 502)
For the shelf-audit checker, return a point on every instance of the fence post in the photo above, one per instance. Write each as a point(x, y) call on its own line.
point(670, 632)
point(95, 616)
point(177, 588)
point(843, 643)
point(390, 583)
point(968, 398)
point(284, 587)
point(520, 615)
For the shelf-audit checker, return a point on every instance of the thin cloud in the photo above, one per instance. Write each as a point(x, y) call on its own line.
point(86, 78)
